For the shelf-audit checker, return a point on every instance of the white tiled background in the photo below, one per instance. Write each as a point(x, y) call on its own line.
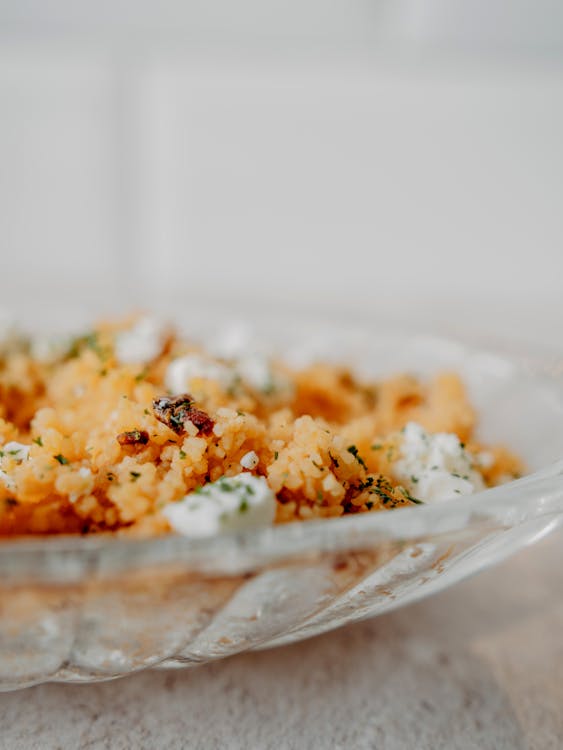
point(337, 156)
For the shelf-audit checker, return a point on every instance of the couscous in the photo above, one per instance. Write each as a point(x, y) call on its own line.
point(131, 429)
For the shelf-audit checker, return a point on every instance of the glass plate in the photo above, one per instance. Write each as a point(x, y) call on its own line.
point(88, 609)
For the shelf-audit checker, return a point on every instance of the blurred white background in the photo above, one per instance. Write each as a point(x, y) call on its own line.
point(403, 159)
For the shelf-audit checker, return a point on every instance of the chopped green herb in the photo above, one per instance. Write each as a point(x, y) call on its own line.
point(320, 496)
point(276, 455)
point(89, 341)
point(183, 454)
point(383, 489)
point(269, 387)
point(414, 479)
point(408, 495)
point(135, 475)
point(38, 441)
point(226, 485)
point(354, 451)
point(146, 411)
point(376, 447)
point(61, 459)
point(141, 375)
point(318, 466)
point(243, 507)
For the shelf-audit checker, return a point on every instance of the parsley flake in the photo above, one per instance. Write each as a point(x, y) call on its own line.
point(354, 451)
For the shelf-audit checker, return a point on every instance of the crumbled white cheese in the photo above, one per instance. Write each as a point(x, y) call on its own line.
point(141, 343)
point(250, 460)
point(182, 371)
point(232, 342)
point(435, 467)
point(19, 451)
point(229, 504)
point(49, 349)
point(257, 371)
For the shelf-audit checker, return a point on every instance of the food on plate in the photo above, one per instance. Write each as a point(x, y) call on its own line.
point(131, 428)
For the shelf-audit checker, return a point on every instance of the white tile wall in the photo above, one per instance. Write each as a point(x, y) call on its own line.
point(336, 183)
point(57, 166)
point(355, 181)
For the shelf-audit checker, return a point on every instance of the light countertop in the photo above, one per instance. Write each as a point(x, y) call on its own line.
point(478, 666)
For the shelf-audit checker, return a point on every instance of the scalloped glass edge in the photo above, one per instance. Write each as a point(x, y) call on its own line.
point(83, 610)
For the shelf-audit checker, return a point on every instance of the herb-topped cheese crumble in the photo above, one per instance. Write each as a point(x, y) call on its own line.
point(228, 504)
point(130, 428)
point(435, 467)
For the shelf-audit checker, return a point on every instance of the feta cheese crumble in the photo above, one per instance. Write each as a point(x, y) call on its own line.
point(142, 343)
point(233, 341)
point(257, 371)
point(229, 504)
point(250, 460)
point(182, 371)
point(50, 349)
point(19, 451)
point(435, 467)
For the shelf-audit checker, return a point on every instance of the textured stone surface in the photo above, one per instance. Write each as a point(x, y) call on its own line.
point(479, 666)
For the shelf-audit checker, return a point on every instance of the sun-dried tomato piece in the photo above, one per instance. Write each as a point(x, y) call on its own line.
point(175, 411)
point(201, 420)
point(133, 437)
